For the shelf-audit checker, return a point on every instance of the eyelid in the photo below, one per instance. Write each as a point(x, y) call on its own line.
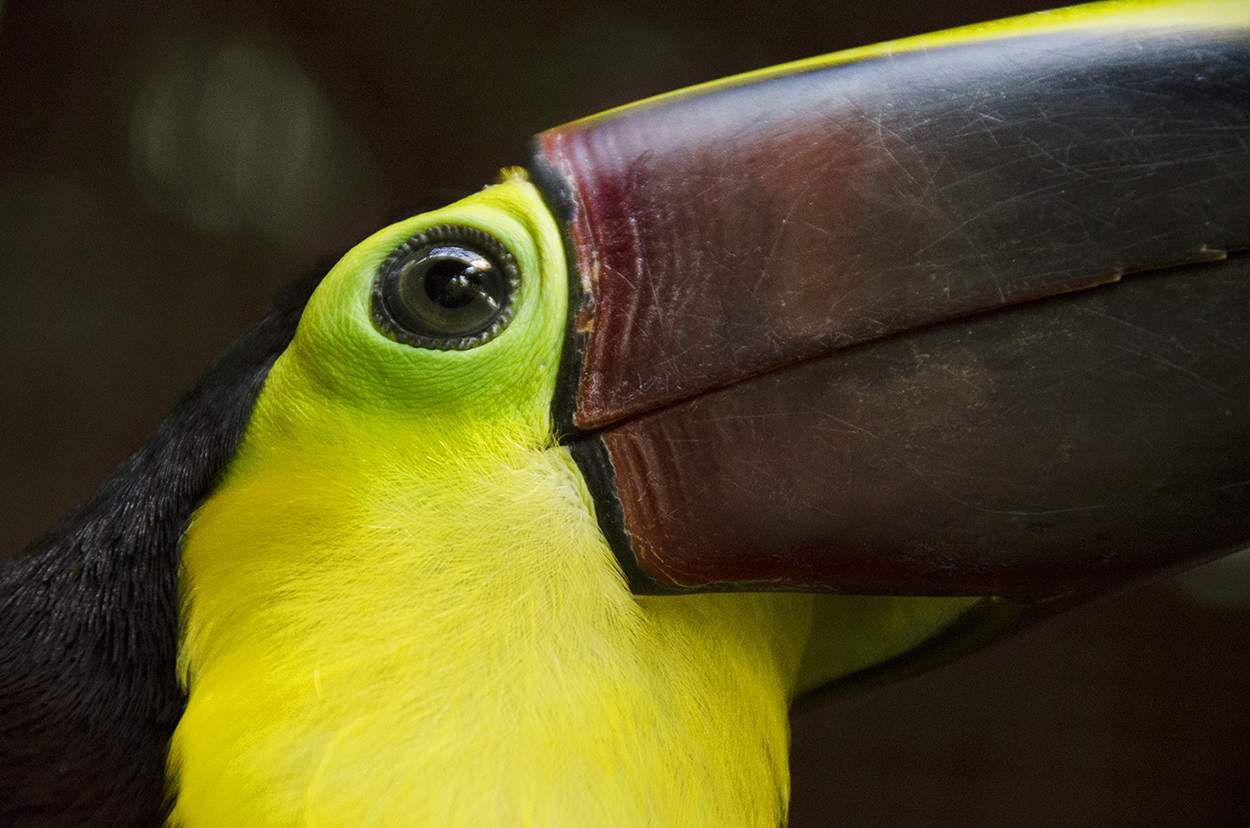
point(498, 258)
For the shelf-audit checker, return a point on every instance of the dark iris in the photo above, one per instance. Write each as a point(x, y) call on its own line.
point(449, 288)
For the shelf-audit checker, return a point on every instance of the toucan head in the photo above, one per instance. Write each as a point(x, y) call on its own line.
point(561, 494)
point(820, 372)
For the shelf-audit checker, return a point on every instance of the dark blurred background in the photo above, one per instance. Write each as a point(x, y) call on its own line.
point(166, 166)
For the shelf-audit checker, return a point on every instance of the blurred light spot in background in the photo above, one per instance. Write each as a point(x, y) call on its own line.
point(236, 137)
point(1223, 584)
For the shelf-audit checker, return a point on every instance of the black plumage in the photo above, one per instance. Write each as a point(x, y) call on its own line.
point(89, 695)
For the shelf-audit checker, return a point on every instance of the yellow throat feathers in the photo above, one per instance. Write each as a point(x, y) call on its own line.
point(399, 608)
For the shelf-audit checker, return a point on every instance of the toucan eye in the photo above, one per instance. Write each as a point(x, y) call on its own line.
point(450, 288)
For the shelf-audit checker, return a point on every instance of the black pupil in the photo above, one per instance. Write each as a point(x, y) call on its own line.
point(446, 290)
point(453, 283)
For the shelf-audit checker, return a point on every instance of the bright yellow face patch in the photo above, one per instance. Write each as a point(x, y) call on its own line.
point(400, 608)
point(341, 371)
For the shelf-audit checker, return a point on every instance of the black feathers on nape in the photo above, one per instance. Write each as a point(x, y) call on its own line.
point(89, 612)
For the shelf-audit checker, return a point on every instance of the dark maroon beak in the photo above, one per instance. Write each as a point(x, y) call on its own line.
point(966, 319)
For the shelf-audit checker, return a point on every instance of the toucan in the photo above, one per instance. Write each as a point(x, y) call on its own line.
point(544, 507)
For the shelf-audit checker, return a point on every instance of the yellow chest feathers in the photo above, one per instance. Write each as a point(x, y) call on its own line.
point(364, 648)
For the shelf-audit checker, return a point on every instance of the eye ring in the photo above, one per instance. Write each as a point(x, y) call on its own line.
point(448, 288)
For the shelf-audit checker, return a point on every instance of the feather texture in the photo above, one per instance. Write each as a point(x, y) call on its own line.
point(89, 613)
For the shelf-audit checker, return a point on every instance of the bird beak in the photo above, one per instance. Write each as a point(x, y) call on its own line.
point(958, 315)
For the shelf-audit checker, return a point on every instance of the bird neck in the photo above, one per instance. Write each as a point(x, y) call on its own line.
point(377, 644)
